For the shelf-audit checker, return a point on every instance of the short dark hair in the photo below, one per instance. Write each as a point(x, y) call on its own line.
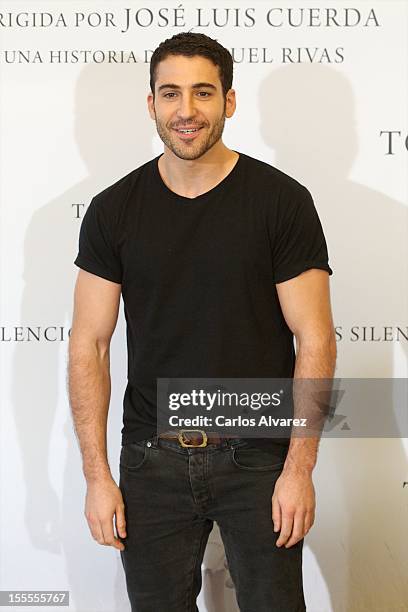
point(190, 44)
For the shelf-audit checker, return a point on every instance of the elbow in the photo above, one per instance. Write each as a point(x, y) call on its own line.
point(319, 343)
point(81, 346)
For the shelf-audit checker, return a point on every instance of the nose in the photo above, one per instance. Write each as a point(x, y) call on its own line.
point(186, 109)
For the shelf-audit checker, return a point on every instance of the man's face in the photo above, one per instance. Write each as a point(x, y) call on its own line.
point(188, 95)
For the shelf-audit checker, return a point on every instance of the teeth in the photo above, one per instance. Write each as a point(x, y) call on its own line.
point(188, 131)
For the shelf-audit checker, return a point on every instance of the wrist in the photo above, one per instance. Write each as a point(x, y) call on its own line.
point(295, 466)
point(98, 478)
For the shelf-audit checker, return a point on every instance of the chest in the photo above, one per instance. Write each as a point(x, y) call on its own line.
point(217, 243)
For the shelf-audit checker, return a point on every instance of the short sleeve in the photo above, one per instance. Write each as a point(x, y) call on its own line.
point(96, 249)
point(299, 242)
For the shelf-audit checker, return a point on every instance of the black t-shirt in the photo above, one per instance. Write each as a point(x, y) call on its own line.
point(198, 275)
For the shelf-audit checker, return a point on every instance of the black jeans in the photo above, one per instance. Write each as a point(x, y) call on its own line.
point(173, 494)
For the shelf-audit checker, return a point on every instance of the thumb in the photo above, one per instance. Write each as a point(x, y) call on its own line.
point(276, 514)
point(120, 521)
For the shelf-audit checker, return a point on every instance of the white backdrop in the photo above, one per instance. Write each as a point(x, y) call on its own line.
point(71, 127)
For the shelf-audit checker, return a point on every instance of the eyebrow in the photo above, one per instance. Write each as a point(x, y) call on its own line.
point(194, 86)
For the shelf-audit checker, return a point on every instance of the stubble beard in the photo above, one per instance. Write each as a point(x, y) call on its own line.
point(195, 149)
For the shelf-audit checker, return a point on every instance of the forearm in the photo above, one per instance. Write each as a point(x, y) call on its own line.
point(312, 362)
point(89, 388)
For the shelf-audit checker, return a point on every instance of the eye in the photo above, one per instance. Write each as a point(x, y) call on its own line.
point(205, 94)
point(169, 94)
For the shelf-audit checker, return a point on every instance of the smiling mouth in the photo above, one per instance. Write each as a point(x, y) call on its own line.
point(187, 132)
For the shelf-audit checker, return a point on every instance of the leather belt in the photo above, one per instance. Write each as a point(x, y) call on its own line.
point(194, 438)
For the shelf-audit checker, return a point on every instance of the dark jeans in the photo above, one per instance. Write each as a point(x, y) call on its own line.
point(172, 495)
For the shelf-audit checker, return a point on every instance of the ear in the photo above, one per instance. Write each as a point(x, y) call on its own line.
point(150, 105)
point(230, 103)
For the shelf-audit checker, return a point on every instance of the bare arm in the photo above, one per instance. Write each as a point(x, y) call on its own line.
point(96, 306)
point(305, 303)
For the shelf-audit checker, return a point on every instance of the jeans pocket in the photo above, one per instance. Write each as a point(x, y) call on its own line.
point(259, 459)
point(133, 456)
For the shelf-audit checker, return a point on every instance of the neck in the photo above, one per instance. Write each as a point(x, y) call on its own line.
point(191, 178)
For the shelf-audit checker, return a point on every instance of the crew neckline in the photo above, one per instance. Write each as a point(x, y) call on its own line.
point(203, 197)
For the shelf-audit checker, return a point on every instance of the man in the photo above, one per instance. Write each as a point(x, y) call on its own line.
point(221, 260)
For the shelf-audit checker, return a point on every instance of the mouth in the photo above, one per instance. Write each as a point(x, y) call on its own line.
point(187, 133)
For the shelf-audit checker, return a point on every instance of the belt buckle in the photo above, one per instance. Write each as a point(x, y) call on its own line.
point(186, 444)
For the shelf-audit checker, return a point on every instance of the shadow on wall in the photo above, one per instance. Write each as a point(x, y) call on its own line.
point(357, 537)
point(307, 116)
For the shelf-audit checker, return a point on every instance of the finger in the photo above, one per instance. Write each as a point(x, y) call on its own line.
point(286, 528)
point(309, 520)
point(297, 531)
point(276, 514)
point(120, 521)
point(109, 536)
point(118, 544)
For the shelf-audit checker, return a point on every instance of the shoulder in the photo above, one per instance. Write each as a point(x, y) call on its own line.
point(273, 181)
point(114, 197)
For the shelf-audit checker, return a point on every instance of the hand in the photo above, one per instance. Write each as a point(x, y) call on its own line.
point(293, 506)
point(103, 501)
